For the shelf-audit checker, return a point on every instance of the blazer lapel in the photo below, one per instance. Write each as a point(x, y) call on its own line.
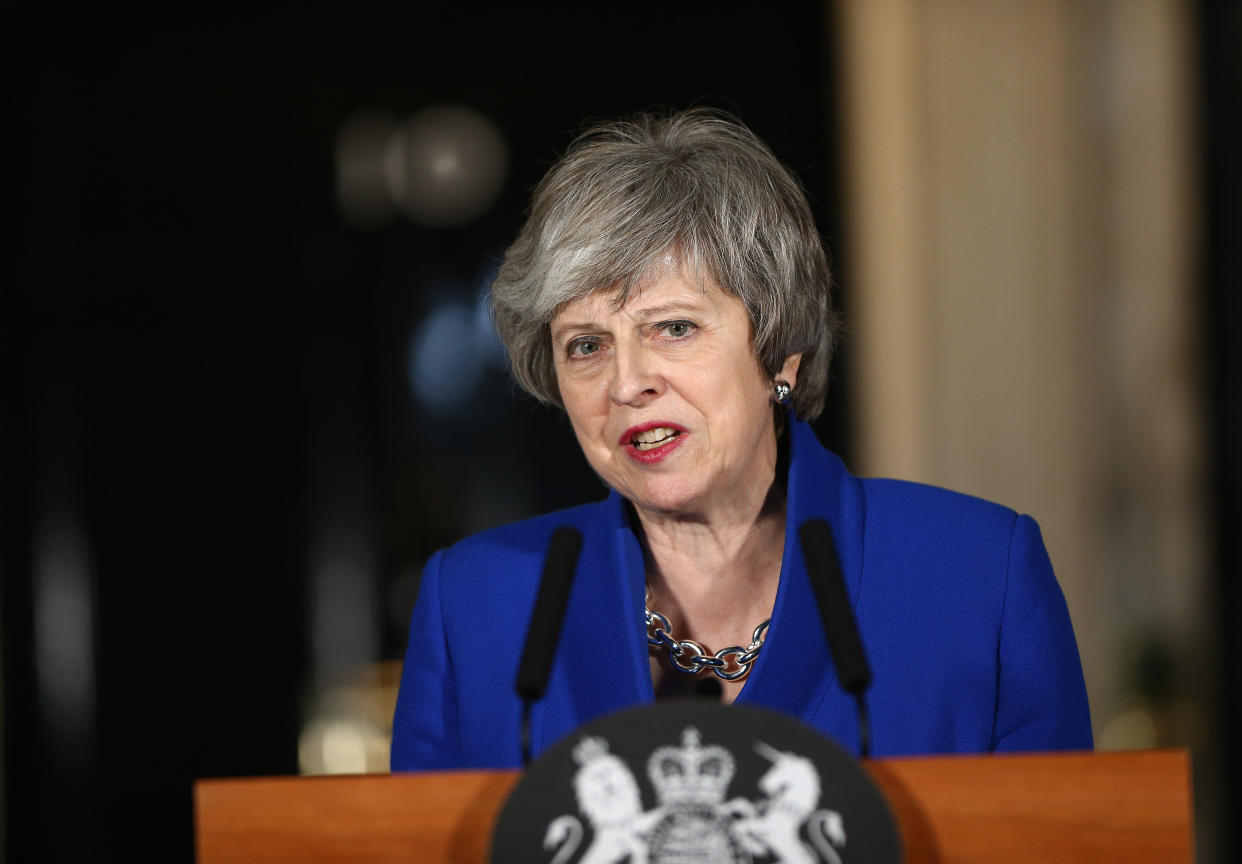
point(794, 672)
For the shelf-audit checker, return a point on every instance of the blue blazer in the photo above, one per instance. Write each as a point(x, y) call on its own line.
point(963, 622)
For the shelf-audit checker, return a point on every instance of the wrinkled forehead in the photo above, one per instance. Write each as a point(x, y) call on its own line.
point(671, 275)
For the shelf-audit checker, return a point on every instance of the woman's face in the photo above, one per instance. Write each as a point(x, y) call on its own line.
point(668, 401)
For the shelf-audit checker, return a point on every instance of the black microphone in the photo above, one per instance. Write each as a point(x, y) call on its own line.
point(819, 550)
point(545, 623)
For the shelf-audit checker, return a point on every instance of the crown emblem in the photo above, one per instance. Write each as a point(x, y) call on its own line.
point(691, 773)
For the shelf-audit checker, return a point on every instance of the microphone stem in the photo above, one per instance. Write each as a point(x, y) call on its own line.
point(864, 727)
point(526, 703)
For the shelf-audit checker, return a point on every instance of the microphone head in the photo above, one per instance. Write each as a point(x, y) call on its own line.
point(549, 613)
point(564, 547)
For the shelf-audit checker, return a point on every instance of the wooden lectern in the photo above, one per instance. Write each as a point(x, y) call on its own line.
point(1075, 807)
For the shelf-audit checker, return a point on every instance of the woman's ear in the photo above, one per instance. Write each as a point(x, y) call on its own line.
point(789, 372)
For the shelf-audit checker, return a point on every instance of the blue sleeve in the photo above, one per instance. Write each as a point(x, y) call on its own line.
point(1041, 701)
point(425, 730)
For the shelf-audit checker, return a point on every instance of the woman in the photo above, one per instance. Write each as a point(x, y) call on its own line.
point(670, 292)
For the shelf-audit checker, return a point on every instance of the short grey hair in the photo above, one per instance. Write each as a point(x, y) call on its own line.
point(697, 184)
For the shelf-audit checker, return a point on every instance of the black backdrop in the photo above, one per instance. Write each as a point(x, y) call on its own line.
point(201, 356)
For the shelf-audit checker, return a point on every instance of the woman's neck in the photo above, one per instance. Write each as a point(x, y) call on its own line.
point(694, 553)
point(738, 544)
point(716, 579)
point(714, 582)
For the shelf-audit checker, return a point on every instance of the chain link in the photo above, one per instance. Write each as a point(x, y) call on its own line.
point(691, 658)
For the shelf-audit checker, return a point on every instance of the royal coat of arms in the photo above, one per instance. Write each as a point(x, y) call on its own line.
point(692, 820)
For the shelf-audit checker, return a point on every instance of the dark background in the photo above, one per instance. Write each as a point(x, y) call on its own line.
point(200, 356)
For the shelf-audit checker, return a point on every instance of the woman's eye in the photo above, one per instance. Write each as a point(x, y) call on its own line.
point(583, 347)
point(677, 329)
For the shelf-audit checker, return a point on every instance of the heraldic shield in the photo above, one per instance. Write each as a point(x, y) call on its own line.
point(694, 782)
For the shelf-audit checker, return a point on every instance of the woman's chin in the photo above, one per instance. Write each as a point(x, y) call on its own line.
point(666, 500)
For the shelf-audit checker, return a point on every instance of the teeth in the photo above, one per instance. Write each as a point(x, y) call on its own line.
point(653, 437)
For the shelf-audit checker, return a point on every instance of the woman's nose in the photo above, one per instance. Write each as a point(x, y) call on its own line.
point(635, 379)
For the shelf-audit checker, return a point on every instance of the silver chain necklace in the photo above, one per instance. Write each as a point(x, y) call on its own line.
point(691, 658)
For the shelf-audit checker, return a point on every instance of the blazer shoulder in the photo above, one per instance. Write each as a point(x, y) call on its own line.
point(906, 506)
point(959, 545)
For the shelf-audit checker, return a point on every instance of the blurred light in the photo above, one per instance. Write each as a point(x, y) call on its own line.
point(335, 747)
point(349, 727)
point(361, 181)
point(454, 345)
point(1129, 730)
point(446, 360)
point(64, 628)
point(344, 749)
point(445, 166)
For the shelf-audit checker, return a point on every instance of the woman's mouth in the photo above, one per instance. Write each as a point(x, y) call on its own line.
point(651, 442)
point(653, 438)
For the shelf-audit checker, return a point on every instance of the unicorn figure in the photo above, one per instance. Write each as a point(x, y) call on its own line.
point(773, 828)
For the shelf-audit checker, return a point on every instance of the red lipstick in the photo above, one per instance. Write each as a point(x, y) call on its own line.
point(652, 452)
